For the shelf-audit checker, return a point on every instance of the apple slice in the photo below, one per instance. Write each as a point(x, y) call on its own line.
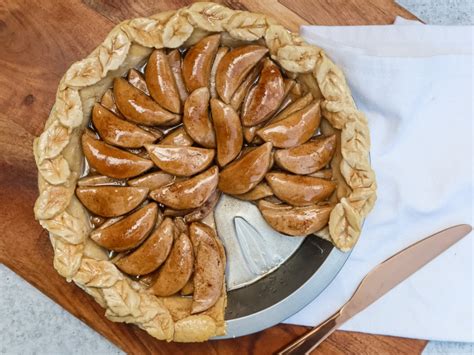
point(196, 118)
point(111, 201)
point(161, 82)
point(234, 67)
point(243, 174)
point(309, 157)
point(175, 62)
point(138, 107)
point(221, 52)
point(295, 221)
point(113, 130)
point(190, 193)
point(228, 128)
point(111, 161)
point(176, 270)
point(152, 253)
point(135, 78)
point(177, 136)
point(265, 97)
point(181, 161)
point(260, 191)
point(152, 180)
point(197, 63)
point(299, 190)
point(294, 129)
point(129, 232)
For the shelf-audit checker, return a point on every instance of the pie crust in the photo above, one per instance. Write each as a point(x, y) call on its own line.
point(59, 156)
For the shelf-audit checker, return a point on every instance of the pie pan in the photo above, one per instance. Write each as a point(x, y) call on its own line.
point(285, 279)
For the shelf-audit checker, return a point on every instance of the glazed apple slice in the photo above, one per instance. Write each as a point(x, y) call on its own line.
point(203, 211)
point(108, 101)
point(295, 221)
point(243, 174)
point(176, 270)
point(129, 232)
point(294, 129)
point(208, 267)
point(152, 180)
point(299, 190)
point(181, 161)
point(307, 158)
point(197, 63)
point(111, 161)
point(190, 193)
point(175, 62)
point(265, 97)
point(111, 201)
point(116, 131)
point(234, 67)
point(323, 174)
point(135, 78)
point(161, 82)
point(260, 191)
point(244, 88)
point(196, 118)
point(139, 107)
point(152, 253)
point(178, 136)
point(99, 180)
point(221, 52)
point(228, 129)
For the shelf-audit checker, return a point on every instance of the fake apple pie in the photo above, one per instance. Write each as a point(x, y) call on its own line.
point(168, 113)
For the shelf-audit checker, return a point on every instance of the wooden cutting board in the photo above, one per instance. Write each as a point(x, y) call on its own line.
point(39, 40)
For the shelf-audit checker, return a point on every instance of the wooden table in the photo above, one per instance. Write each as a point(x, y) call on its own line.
point(39, 40)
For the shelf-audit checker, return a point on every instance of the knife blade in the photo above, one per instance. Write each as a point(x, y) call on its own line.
point(379, 281)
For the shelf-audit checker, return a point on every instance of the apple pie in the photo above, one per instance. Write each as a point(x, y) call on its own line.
point(167, 114)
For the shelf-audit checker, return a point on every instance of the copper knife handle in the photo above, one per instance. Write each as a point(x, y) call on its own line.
point(315, 336)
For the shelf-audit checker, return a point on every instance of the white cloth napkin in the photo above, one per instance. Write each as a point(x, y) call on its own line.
point(415, 85)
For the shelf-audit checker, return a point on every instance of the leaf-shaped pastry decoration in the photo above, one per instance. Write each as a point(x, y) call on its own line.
point(96, 293)
point(52, 201)
point(84, 73)
point(363, 199)
point(66, 226)
point(113, 51)
point(246, 25)
point(297, 59)
point(55, 171)
point(52, 141)
point(276, 37)
point(208, 16)
point(69, 108)
point(344, 225)
point(331, 80)
point(148, 31)
point(337, 112)
point(94, 273)
point(161, 327)
point(357, 178)
point(122, 299)
point(67, 257)
point(176, 31)
point(356, 142)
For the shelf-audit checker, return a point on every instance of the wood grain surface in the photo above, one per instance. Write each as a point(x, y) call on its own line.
point(39, 40)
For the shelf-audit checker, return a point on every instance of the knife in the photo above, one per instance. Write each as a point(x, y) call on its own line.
point(378, 282)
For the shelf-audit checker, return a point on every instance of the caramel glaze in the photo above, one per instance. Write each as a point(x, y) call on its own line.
point(198, 61)
point(152, 253)
point(299, 190)
point(264, 99)
point(161, 81)
point(129, 231)
point(234, 67)
point(140, 108)
point(111, 161)
point(309, 157)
